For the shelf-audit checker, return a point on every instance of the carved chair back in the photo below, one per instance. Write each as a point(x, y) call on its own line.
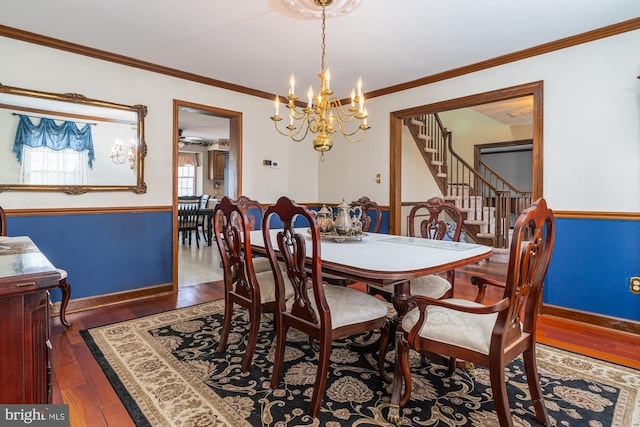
point(435, 226)
point(247, 206)
point(292, 248)
point(529, 258)
point(231, 231)
point(368, 206)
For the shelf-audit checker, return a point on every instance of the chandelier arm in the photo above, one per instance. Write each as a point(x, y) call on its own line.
point(291, 134)
point(297, 113)
point(347, 135)
point(344, 115)
point(306, 132)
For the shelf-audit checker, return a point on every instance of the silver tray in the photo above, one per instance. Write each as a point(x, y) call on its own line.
point(332, 235)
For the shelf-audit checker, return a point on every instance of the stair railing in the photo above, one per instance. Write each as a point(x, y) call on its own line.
point(431, 136)
point(486, 205)
point(475, 195)
point(519, 200)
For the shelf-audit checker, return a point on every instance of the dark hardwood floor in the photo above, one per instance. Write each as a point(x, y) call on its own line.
point(79, 382)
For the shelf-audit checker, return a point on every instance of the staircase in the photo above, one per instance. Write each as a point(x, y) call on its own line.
point(489, 203)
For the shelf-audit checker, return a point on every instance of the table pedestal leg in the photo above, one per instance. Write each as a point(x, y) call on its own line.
point(402, 303)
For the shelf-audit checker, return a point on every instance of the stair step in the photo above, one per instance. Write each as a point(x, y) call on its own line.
point(429, 150)
point(416, 122)
point(441, 175)
point(436, 163)
point(424, 136)
point(474, 222)
point(485, 235)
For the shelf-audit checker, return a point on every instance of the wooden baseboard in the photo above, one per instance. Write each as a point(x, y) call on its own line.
point(87, 303)
point(615, 323)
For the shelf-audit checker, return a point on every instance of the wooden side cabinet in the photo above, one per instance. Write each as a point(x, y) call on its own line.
point(25, 350)
point(216, 165)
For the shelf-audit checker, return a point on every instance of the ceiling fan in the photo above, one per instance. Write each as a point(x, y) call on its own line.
point(193, 140)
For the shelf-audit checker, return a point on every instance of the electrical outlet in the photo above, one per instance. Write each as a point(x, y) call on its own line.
point(635, 285)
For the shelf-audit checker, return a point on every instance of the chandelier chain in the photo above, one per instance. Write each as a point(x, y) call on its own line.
point(323, 44)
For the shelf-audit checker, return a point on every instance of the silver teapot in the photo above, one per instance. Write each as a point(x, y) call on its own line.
point(325, 219)
point(343, 223)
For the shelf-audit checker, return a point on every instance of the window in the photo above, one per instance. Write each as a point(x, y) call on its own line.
point(42, 165)
point(187, 164)
point(186, 180)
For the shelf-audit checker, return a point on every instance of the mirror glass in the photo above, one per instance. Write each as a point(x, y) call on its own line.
point(69, 143)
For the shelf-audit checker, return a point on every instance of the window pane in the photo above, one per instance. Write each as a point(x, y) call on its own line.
point(186, 180)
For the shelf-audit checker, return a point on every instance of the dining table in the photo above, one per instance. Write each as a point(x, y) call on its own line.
point(386, 260)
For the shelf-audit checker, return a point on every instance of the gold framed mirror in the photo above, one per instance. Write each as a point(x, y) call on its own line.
point(69, 143)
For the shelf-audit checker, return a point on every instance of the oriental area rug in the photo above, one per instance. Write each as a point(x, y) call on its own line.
point(167, 372)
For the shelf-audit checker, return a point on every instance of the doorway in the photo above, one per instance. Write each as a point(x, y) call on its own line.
point(533, 90)
point(209, 134)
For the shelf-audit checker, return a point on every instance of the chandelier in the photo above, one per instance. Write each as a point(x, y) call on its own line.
point(323, 114)
point(119, 156)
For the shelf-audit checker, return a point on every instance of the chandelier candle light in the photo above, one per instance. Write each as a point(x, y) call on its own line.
point(119, 157)
point(323, 114)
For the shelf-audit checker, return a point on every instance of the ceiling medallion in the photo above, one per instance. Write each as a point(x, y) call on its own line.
point(312, 8)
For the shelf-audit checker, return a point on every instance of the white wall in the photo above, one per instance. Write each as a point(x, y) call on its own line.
point(44, 69)
point(591, 127)
point(591, 131)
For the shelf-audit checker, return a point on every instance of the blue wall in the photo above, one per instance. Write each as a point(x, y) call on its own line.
point(103, 253)
point(592, 263)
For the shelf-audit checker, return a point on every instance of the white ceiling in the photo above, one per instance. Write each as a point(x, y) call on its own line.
point(259, 43)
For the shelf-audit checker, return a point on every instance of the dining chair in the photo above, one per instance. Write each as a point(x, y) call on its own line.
point(489, 335)
point(188, 214)
point(323, 312)
point(251, 208)
point(204, 200)
point(437, 215)
point(254, 211)
point(255, 291)
point(368, 207)
point(64, 286)
point(3, 222)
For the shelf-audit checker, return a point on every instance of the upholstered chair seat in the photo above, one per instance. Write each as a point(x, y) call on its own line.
point(467, 330)
point(268, 286)
point(431, 286)
point(348, 306)
point(261, 264)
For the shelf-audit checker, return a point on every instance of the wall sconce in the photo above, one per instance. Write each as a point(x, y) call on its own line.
point(118, 156)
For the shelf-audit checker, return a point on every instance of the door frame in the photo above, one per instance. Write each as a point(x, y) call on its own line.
point(235, 162)
point(534, 89)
